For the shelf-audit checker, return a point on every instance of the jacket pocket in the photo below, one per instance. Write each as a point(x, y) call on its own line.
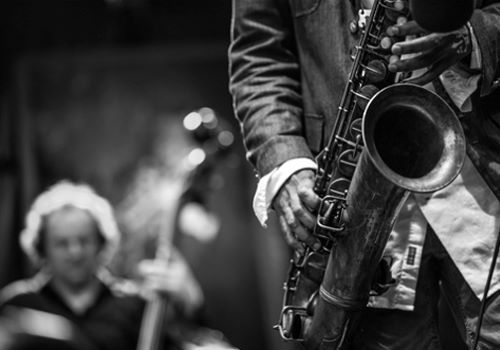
point(313, 126)
point(303, 7)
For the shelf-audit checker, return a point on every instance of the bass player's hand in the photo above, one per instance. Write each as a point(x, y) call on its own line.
point(174, 279)
point(295, 204)
point(434, 51)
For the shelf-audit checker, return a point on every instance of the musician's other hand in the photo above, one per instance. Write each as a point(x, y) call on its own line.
point(434, 51)
point(174, 279)
point(295, 204)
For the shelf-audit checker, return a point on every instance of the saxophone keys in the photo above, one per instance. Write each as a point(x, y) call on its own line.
point(347, 162)
point(365, 94)
point(375, 71)
point(400, 5)
point(395, 10)
point(353, 26)
point(386, 43)
point(355, 129)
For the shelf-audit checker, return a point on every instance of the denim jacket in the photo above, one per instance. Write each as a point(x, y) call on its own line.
point(289, 61)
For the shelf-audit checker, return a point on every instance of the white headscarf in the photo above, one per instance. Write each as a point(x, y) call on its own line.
point(81, 196)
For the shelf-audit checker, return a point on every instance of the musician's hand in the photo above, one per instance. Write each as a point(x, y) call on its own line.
point(294, 205)
point(434, 51)
point(174, 279)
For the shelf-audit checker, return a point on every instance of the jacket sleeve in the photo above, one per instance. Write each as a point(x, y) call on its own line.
point(486, 25)
point(265, 83)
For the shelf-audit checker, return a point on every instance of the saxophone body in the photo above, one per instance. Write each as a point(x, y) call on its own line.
point(389, 139)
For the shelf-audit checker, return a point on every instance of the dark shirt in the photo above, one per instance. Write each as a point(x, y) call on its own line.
point(112, 322)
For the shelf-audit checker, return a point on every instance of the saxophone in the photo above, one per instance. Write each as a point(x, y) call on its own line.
point(389, 139)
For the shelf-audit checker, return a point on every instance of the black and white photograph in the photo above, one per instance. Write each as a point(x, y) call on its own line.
point(250, 175)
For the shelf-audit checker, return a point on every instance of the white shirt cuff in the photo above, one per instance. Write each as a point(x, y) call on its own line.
point(476, 61)
point(271, 183)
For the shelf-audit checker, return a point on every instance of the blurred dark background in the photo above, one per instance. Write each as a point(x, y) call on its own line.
point(96, 91)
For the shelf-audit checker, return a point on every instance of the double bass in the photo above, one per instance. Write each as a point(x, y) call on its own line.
point(214, 142)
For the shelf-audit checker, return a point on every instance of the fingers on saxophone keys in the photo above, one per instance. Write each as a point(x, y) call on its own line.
point(392, 33)
point(403, 28)
point(431, 42)
point(290, 238)
point(301, 208)
point(308, 197)
point(299, 223)
point(414, 63)
point(394, 63)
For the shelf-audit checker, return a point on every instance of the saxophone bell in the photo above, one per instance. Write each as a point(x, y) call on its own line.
point(413, 138)
point(413, 142)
